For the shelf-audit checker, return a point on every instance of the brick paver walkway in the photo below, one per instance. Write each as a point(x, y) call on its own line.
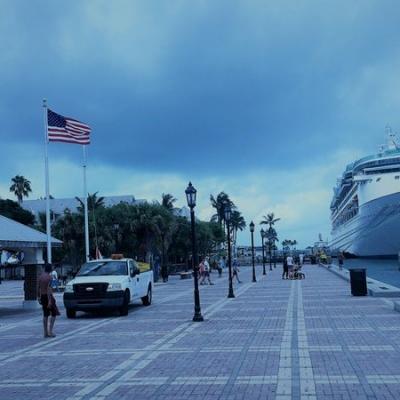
point(276, 340)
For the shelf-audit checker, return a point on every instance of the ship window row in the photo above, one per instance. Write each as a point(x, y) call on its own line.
point(376, 163)
point(383, 171)
point(397, 177)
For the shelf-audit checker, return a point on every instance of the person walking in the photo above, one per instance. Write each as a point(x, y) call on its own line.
point(54, 280)
point(201, 272)
point(235, 267)
point(289, 261)
point(47, 301)
point(164, 272)
point(206, 271)
point(221, 265)
point(285, 273)
point(341, 260)
point(207, 264)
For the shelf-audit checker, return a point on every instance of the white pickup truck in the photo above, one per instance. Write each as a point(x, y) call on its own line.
point(108, 284)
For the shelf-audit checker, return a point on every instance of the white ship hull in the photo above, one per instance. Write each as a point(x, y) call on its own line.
point(365, 209)
point(374, 232)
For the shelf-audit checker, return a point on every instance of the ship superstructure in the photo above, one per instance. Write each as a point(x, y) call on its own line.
point(365, 209)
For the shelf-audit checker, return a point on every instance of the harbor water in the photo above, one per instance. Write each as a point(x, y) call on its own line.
point(381, 269)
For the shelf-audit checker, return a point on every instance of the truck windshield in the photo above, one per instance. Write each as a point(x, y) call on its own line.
point(104, 268)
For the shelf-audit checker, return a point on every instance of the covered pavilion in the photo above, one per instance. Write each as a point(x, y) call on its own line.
point(14, 237)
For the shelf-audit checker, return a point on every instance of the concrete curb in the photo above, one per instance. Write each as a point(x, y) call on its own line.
point(375, 288)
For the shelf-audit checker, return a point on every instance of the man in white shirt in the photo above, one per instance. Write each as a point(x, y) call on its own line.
point(289, 261)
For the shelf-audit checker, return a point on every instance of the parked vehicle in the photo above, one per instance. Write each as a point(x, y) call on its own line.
point(111, 283)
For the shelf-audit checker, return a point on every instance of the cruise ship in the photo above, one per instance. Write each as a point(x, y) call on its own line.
point(365, 209)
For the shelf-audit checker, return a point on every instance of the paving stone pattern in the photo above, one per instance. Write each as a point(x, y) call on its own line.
point(277, 339)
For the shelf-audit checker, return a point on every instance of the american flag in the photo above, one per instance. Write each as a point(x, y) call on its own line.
point(65, 129)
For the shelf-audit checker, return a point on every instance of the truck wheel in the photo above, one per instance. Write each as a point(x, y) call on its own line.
point(146, 300)
point(124, 309)
point(71, 313)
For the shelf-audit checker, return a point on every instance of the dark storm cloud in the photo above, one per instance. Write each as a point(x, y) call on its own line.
point(201, 87)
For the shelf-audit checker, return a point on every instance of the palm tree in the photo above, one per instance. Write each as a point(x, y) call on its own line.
point(271, 234)
point(286, 244)
point(272, 238)
point(147, 224)
point(269, 220)
point(69, 229)
point(21, 187)
point(167, 201)
point(93, 201)
point(237, 223)
point(219, 204)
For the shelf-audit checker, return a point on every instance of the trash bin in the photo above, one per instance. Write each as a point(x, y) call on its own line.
point(358, 282)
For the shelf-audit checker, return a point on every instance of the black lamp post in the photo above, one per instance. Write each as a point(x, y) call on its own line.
point(262, 245)
point(191, 201)
point(270, 242)
point(252, 250)
point(227, 215)
point(270, 254)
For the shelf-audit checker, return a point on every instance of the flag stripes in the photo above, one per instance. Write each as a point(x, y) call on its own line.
point(67, 130)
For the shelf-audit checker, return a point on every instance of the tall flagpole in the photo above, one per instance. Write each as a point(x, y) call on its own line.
point(85, 202)
point(46, 166)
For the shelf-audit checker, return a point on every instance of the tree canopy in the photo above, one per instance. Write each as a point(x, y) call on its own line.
point(138, 230)
point(11, 209)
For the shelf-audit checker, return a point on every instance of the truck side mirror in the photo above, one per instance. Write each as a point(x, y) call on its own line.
point(131, 272)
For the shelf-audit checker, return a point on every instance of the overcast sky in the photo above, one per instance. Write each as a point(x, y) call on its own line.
point(265, 100)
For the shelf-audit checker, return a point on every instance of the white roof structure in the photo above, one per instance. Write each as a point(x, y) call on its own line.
point(182, 212)
point(15, 235)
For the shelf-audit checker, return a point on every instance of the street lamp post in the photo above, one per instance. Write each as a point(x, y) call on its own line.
point(274, 255)
point(269, 250)
point(270, 254)
point(252, 250)
point(227, 215)
point(263, 253)
point(191, 201)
